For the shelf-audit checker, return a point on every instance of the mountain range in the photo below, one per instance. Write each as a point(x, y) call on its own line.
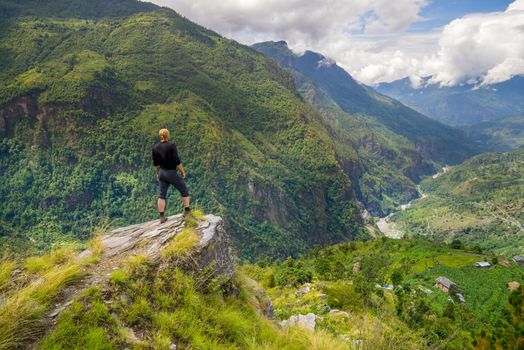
point(493, 116)
point(396, 145)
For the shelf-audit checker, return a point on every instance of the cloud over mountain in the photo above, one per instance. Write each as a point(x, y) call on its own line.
point(485, 48)
point(370, 38)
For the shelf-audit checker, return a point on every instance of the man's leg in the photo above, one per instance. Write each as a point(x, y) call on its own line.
point(180, 185)
point(161, 205)
point(161, 202)
point(185, 202)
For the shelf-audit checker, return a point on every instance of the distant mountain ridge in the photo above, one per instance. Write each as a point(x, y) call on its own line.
point(397, 146)
point(460, 105)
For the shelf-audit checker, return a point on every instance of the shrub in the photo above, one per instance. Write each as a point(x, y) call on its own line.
point(292, 273)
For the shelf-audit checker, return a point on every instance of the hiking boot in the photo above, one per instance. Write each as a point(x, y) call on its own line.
point(162, 219)
point(187, 212)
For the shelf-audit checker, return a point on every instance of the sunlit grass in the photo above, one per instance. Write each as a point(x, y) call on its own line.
point(21, 312)
point(183, 243)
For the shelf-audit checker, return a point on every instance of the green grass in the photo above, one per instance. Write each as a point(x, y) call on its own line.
point(167, 308)
point(21, 310)
point(182, 244)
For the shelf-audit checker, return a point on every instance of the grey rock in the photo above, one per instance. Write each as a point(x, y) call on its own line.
point(307, 321)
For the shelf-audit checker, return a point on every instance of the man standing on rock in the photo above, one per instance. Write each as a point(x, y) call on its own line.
point(167, 161)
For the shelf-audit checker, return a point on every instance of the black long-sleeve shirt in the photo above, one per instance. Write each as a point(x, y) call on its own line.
point(166, 156)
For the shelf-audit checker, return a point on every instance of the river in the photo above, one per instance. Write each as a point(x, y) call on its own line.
point(389, 228)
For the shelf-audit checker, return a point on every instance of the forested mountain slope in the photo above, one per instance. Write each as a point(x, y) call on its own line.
point(85, 86)
point(396, 145)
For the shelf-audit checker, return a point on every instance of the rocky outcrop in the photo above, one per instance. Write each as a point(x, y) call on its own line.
point(150, 238)
point(212, 253)
point(260, 299)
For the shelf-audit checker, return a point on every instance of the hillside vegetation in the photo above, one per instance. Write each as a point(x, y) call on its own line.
point(502, 135)
point(479, 203)
point(390, 300)
point(365, 295)
point(85, 88)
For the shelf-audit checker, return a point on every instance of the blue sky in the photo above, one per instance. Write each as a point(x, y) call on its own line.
point(438, 13)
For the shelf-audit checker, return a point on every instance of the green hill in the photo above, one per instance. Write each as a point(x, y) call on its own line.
point(479, 203)
point(501, 135)
point(396, 145)
point(85, 86)
point(383, 292)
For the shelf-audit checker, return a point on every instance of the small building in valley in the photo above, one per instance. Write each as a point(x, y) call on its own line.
point(513, 286)
point(448, 286)
point(518, 259)
point(482, 264)
point(444, 284)
point(505, 263)
point(460, 298)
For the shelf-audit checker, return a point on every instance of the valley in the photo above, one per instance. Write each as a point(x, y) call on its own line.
point(479, 203)
point(326, 214)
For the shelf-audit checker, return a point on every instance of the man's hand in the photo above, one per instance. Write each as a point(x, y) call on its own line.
point(182, 171)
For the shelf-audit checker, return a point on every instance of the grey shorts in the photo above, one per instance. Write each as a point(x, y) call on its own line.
point(168, 177)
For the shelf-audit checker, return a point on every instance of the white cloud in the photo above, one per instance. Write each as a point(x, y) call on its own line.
point(487, 48)
point(503, 71)
point(369, 39)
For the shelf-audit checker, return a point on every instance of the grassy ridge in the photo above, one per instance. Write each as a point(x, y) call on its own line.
point(144, 309)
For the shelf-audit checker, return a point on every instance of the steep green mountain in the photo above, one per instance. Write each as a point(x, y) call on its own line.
point(85, 86)
point(396, 145)
point(479, 203)
point(503, 134)
point(462, 104)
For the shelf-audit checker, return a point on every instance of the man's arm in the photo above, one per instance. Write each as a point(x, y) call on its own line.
point(156, 162)
point(179, 166)
point(181, 169)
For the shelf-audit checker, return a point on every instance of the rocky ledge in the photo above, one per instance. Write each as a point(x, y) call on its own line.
point(151, 237)
point(210, 256)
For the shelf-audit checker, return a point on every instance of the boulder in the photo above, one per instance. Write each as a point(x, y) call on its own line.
point(308, 321)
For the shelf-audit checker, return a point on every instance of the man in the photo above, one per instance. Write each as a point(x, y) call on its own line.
point(167, 161)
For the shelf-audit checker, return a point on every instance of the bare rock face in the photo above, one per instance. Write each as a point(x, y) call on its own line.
point(212, 252)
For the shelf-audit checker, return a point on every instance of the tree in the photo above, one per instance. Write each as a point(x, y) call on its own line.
point(457, 244)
